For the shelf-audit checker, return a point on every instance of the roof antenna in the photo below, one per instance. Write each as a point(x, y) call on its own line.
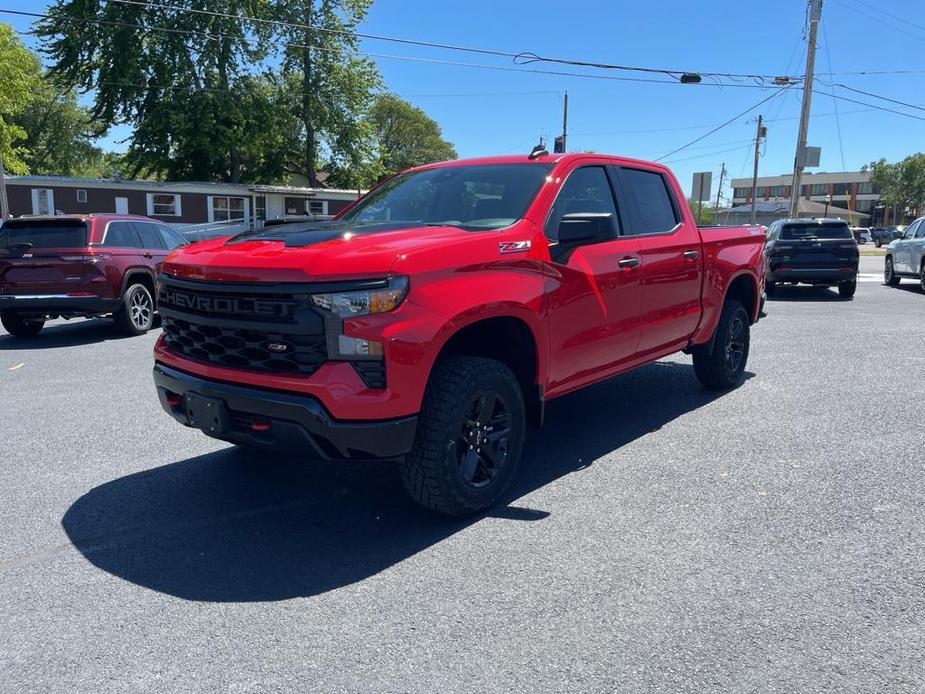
point(539, 150)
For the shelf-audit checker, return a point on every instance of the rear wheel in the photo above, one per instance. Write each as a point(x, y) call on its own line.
point(724, 365)
point(889, 274)
point(469, 438)
point(922, 276)
point(136, 315)
point(18, 325)
point(846, 290)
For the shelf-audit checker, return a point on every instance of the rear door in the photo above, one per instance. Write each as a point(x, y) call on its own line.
point(902, 251)
point(917, 248)
point(153, 247)
point(670, 249)
point(120, 247)
point(43, 256)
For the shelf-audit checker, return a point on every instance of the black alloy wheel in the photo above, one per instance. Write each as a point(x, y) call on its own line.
point(482, 443)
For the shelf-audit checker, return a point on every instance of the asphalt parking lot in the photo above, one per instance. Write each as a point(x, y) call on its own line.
point(658, 537)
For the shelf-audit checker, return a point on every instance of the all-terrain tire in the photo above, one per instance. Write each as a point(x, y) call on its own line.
point(846, 290)
point(723, 366)
point(20, 326)
point(438, 472)
point(136, 314)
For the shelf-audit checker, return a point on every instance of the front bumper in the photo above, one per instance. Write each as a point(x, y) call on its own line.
point(57, 304)
point(282, 421)
point(828, 276)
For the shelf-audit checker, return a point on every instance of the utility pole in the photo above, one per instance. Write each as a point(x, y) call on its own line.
point(758, 135)
point(815, 13)
point(722, 175)
point(565, 122)
point(4, 204)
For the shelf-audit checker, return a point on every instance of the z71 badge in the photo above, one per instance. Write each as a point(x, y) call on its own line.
point(513, 246)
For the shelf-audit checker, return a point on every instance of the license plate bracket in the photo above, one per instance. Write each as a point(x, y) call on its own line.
point(208, 414)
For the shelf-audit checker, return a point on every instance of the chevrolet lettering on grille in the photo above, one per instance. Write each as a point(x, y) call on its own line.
point(227, 305)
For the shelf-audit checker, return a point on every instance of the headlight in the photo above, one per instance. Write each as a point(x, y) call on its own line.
point(362, 303)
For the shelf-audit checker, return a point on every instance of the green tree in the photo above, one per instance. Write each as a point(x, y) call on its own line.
point(179, 77)
point(58, 135)
point(705, 216)
point(330, 86)
point(20, 73)
point(406, 135)
point(902, 184)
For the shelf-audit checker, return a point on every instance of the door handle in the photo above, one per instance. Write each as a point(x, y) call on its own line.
point(148, 256)
point(629, 262)
point(691, 255)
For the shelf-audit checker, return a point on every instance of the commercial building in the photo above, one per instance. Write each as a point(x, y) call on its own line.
point(176, 203)
point(849, 190)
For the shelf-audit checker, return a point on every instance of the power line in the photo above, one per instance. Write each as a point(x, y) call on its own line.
point(841, 147)
point(432, 61)
point(876, 96)
point(898, 19)
point(520, 58)
point(872, 106)
point(881, 21)
point(723, 125)
point(705, 155)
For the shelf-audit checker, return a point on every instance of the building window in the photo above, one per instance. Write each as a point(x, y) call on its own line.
point(81, 196)
point(820, 188)
point(318, 206)
point(777, 191)
point(262, 208)
point(225, 209)
point(867, 188)
point(840, 189)
point(864, 205)
point(43, 201)
point(761, 192)
point(164, 204)
point(740, 192)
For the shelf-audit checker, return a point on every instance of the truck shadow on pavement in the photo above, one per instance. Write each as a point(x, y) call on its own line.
point(805, 293)
point(80, 332)
point(236, 526)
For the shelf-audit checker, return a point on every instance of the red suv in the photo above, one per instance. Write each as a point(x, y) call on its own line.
point(81, 265)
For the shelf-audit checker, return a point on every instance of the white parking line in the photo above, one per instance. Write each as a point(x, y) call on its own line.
point(869, 277)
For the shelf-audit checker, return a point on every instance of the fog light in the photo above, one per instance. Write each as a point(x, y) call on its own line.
point(356, 346)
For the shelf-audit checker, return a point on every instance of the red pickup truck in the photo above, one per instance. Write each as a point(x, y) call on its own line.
point(431, 320)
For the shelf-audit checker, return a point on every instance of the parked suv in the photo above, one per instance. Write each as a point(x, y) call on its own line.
point(81, 266)
point(905, 257)
point(821, 252)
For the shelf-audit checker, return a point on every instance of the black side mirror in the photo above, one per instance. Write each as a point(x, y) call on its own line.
point(585, 227)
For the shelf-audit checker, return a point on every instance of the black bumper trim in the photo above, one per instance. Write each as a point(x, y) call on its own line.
point(297, 421)
point(53, 304)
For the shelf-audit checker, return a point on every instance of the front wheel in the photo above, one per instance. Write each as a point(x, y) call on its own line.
point(469, 438)
point(889, 274)
point(922, 276)
point(18, 325)
point(846, 289)
point(724, 365)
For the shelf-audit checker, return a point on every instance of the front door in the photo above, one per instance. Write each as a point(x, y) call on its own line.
point(121, 205)
point(671, 272)
point(902, 252)
point(592, 290)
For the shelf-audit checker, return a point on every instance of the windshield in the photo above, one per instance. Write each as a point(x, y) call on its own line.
point(44, 233)
point(815, 231)
point(479, 196)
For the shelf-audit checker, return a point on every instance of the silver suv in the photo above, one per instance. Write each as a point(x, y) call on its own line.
point(905, 257)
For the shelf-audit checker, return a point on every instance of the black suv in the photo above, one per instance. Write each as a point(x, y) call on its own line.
point(822, 252)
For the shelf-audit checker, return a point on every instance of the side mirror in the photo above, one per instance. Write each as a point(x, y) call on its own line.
point(585, 227)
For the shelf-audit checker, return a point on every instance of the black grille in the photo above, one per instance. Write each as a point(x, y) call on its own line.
point(245, 349)
point(242, 327)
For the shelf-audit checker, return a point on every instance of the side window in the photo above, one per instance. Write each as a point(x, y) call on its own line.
point(150, 238)
point(586, 190)
point(920, 233)
point(120, 235)
point(650, 207)
point(910, 232)
point(171, 238)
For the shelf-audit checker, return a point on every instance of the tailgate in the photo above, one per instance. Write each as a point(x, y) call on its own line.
point(43, 256)
point(817, 254)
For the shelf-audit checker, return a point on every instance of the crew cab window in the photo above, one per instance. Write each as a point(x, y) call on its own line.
point(150, 238)
point(120, 235)
point(476, 196)
point(586, 190)
point(920, 234)
point(650, 208)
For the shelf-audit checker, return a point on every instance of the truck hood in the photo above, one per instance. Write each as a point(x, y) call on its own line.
point(308, 252)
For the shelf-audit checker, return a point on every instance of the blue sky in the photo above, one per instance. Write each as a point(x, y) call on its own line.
point(485, 111)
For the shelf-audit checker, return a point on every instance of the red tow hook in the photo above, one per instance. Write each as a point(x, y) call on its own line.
point(173, 399)
point(261, 425)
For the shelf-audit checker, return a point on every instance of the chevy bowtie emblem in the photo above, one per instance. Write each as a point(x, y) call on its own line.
point(277, 346)
point(513, 246)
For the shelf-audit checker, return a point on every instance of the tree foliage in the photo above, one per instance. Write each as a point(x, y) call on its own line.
point(406, 135)
point(902, 183)
point(20, 73)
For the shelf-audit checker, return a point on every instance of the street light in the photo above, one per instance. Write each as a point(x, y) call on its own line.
point(828, 199)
